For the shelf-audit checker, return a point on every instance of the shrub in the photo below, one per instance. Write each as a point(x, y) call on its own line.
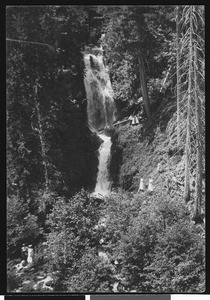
point(71, 224)
point(13, 281)
point(22, 226)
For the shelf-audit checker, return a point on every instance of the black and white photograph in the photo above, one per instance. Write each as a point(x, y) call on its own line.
point(105, 125)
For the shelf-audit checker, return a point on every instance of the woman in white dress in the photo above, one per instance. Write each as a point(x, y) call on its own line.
point(141, 185)
point(30, 254)
point(24, 251)
point(150, 186)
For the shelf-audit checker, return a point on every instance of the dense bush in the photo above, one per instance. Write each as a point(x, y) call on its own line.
point(159, 248)
point(71, 225)
point(52, 155)
point(22, 226)
point(13, 280)
point(93, 275)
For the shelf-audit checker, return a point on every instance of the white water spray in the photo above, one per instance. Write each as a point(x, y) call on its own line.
point(103, 184)
point(100, 110)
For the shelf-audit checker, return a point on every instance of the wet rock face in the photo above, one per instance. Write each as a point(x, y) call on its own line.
point(29, 280)
point(92, 161)
point(115, 160)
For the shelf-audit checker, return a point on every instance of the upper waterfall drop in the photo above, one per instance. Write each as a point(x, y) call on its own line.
point(100, 111)
point(100, 103)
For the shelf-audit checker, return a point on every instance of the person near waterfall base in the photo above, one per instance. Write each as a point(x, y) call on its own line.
point(24, 251)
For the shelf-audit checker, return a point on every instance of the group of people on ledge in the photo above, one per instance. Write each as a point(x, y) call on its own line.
point(150, 186)
point(134, 120)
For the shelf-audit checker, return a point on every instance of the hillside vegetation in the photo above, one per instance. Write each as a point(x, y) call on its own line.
point(131, 240)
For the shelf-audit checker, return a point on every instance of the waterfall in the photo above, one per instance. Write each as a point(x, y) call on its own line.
point(103, 184)
point(100, 111)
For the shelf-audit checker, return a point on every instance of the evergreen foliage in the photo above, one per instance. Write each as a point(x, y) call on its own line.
point(147, 242)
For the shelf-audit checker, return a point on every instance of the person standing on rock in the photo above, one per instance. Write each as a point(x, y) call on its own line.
point(141, 185)
point(133, 120)
point(24, 251)
point(150, 186)
point(136, 120)
point(130, 119)
point(30, 254)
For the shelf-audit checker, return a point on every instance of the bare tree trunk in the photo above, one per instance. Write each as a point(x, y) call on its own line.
point(198, 140)
point(42, 140)
point(142, 72)
point(165, 79)
point(178, 72)
point(188, 146)
point(64, 251)
point(30, 42)
point(144, 85)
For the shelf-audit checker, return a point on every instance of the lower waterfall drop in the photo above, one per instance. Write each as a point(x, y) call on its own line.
point(101, 113)
point(103, 184)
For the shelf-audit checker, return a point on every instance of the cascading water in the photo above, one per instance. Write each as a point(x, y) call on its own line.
point(103, 184)
point(100, 110)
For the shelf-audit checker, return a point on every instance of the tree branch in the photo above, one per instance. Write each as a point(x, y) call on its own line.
point(29, 42)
